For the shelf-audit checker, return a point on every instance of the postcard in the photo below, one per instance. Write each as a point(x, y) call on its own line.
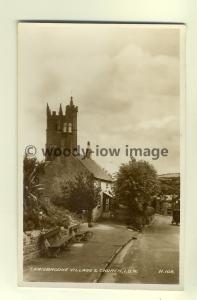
point(101, 155)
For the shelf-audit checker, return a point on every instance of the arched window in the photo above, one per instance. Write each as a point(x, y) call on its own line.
point(69, 127)
point(65, 127)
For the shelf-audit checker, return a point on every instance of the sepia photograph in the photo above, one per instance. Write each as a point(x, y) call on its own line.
point(100, 142)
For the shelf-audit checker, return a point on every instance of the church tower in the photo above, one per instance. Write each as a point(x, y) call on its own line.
point(62, 128)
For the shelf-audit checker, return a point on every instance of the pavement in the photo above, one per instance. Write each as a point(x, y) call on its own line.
point(153, 258)
point(83, 262)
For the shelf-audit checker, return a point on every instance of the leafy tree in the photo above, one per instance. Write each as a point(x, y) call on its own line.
point(136, 184)
point(81, 194)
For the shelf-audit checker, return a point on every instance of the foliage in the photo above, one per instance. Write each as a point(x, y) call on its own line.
point(31, 191)
point(51, 216)
point(31, 187)
point(80, 194)
point(136, 184)
point(39, 212)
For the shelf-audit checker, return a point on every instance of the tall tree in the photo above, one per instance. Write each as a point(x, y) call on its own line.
point(136, 184)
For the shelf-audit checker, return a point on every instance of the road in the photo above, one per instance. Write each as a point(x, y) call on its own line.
point(152, 258)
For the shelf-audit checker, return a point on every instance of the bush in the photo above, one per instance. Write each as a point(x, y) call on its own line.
point(80, 194)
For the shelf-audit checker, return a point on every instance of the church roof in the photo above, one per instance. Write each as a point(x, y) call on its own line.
point(95, 169)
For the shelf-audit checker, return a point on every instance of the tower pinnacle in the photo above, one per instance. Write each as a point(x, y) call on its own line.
point(71, 101)
point(60, 110)
point(48, 110)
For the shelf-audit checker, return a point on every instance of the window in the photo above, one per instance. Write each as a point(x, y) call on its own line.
point(65, 127)
point(69, 127)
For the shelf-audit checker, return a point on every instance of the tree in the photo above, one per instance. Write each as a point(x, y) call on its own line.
point(31, 191)
point(81, 194)
point(136, 184)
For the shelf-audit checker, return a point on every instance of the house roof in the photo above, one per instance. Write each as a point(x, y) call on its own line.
point(170, 175)
point(95, 169)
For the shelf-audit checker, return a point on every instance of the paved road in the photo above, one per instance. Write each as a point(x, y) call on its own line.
point(84, 261)
point(152, 258)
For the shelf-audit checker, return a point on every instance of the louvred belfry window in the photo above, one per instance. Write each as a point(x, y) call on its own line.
point(65, 127)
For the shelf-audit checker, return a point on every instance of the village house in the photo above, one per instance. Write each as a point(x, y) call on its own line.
point(61, 138)
point(170, 193)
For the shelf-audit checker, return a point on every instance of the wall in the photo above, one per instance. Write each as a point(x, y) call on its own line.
point(31, 245)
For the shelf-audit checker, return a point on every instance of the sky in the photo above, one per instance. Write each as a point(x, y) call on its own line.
point(124, 79)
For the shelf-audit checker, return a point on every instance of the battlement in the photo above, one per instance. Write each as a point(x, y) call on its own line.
point(68, 110)
point(71, 108)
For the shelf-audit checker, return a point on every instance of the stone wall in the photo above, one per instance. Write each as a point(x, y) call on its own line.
point(32, 240)
point(31, 245)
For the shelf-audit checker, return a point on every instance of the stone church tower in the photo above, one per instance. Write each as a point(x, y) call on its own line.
point(62, 128)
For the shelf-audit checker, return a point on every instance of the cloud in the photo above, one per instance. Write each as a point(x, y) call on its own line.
point(157, 123)
point(124, 79)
